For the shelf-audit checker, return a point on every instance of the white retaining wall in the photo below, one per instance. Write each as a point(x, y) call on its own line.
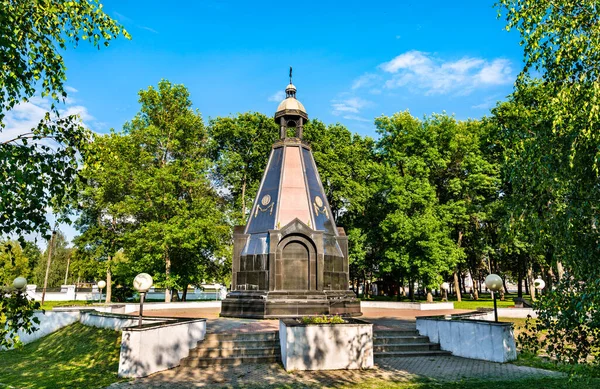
point(150, 349)
point(49, 323)
point(475, 339)
point(407, 305)
point(326, 346)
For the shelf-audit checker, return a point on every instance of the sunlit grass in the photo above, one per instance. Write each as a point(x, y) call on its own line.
point(48, 305)
point(76, 356)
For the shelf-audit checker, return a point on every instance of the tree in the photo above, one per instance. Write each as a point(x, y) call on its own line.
point(239, 147)
point(106, 183)
point(34, 175)
point(13, 262)
point(418, 226)
point(16, 314)
point(178, 216)
point(58, 266)
point(550, 132)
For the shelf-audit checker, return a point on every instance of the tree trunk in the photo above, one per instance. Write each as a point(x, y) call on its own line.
point(520, 282)
point(475, 291)
point(456, 284)
point(108, 282)
point(168, 292)
point(48, 265)
point(67, 271)
point(560, 270)
point(530, 281)
point(429, 295)
point(457, 287)
point(184, 294)
point(411, 290)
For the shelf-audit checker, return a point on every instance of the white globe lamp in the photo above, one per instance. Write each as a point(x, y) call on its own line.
point(142, 283)
point(539, 284)
point(19, 283)
point(494, 283)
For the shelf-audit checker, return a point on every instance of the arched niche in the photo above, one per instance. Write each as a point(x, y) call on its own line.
point(295, 264)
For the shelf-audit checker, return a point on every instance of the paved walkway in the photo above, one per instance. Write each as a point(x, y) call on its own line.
point(447, 368)
point(403, 319)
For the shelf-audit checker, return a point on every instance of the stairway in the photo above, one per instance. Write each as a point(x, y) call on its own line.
point(235, 349)
point(403, 343)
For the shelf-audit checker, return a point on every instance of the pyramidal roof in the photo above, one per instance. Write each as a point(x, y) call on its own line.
point(291, 187)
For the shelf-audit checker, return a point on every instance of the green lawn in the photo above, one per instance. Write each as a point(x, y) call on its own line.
point(48, 305)
point(76, 356)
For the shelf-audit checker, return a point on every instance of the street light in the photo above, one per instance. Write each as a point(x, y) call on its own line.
point(101, 285)
point(19, 283)
point(142, 282)
point(494, 283)
point(445, 288)
point(539, 284)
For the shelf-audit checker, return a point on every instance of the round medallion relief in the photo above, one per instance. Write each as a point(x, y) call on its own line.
point(266, 199)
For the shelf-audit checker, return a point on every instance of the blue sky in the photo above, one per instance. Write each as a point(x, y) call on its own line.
point(352, 60)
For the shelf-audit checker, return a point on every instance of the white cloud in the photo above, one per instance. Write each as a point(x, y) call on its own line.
point(414, 60)
point(365, 80)
point(70, 89)
point(149, 29)
point(356, 118)
point(421, 71)
point(351, 105)
point(496, 73)
point(277, 96)
point(26, 116)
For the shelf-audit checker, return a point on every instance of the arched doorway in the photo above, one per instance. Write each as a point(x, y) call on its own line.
point(295, 265)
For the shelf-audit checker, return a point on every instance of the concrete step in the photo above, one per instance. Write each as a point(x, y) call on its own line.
point(400, 339)
point(272, 335)
point(216, 343)
point(204, 362)
point(404, 354)
point(403, 347)
point(388, 333)
point(234, 352)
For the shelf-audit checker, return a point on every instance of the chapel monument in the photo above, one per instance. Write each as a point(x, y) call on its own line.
point(290, 259)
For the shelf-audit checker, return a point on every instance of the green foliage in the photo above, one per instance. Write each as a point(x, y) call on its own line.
point(33, 32)
point(13, 262)
point(16, 314)
point(239, 147)
point(75, 356)
point(38, 168)
point(441, 182)
point(335, 319)
point(58, 265)
point(147, 191)
point(567, 327)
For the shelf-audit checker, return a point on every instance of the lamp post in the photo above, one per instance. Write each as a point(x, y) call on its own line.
point(539, 284)
point(101, 285)
point(494, 283)
point(445, 288)
point(142, 282)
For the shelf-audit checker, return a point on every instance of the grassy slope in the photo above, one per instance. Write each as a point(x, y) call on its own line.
point(76, 356)
point(48, 305)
